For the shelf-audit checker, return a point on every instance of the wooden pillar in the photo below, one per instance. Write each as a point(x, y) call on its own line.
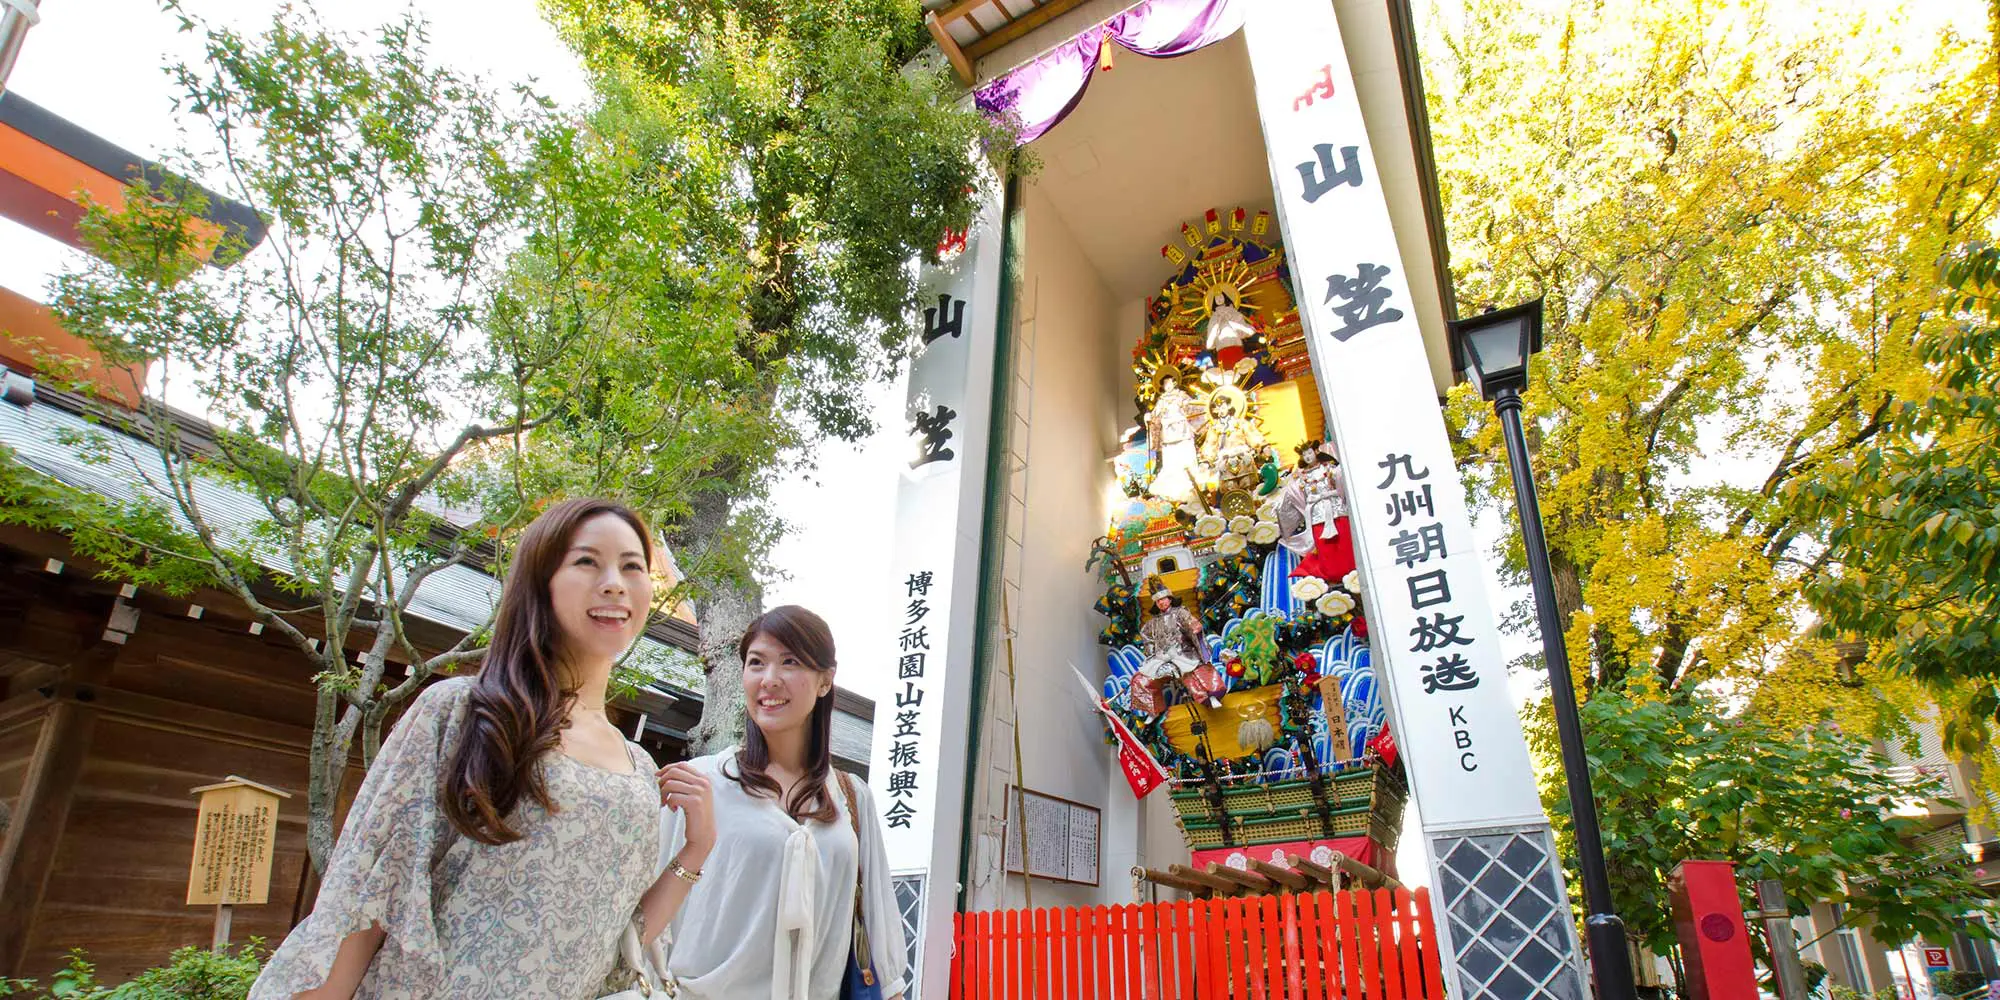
point(35, 832)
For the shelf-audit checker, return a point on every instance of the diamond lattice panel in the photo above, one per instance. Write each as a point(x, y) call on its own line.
point(1509, 918)
point(909, 891)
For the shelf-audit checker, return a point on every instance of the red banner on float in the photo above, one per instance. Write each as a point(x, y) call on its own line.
point(1142, 772)
point(1384, 745)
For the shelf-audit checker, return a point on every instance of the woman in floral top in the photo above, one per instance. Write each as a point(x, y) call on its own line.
point(507, 833)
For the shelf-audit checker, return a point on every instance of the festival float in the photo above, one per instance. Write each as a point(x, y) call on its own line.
point(1235, 618)
point(1218, 469)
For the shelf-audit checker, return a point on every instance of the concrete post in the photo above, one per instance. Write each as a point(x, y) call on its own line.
point(1777, 917)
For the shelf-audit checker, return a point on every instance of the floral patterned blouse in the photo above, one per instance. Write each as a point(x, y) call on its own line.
point(539, 917)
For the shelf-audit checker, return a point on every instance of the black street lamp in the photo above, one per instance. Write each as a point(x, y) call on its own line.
point(1494, 348)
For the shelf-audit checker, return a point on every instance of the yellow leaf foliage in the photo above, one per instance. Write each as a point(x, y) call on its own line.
point(1735, 212)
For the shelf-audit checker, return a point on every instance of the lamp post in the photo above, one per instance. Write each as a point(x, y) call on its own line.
point(1494, 348)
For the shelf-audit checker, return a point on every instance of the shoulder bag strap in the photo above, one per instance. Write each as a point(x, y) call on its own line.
point(863, 954)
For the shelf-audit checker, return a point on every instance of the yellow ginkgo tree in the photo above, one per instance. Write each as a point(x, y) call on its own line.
point(1737, 214)
point(1743, 218)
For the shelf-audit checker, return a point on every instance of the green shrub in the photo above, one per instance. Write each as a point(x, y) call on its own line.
point(190, 974)
point(197, 974)
point(75, 981)
point(1839, 992)
point(1957, 982)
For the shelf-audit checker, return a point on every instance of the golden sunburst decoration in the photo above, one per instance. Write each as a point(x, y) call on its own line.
point(1153, 370)
point(1234, 255)
point(1224, 276)
point(1225, 383)
point(1240, 402)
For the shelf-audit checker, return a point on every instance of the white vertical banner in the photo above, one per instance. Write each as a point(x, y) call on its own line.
point(917, 764)
point(1486, 840)
point(1426, 600)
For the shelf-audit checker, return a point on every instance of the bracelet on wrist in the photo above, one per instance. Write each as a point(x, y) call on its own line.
point(681, 872)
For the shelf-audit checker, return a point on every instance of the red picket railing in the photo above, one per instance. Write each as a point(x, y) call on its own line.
point(1347, 945)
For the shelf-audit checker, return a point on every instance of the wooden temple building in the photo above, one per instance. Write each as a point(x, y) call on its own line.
point(116, 701)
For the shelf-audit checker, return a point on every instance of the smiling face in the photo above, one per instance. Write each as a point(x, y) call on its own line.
point(601, 590)
point(779, 686)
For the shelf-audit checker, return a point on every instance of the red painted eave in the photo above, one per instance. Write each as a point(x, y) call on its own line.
point(49, 167)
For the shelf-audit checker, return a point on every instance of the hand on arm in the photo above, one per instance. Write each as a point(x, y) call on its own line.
point(686, 789)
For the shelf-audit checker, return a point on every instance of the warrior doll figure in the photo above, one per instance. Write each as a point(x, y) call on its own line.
point(1172, 642)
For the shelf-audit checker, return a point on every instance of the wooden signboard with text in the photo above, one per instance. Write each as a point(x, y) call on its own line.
point(235, 835)
point(1063, 837)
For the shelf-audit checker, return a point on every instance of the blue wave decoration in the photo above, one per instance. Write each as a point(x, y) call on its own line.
point(1123, 664)
point(1277, 761)
point(1344, 656)
point(1275, 586)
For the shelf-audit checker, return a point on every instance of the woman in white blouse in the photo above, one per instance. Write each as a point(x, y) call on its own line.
point(772, 914)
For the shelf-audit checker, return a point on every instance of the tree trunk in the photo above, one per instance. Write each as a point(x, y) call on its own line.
point(722, 611)
point(723, 614)
point(323, 785)
point(1568, 586)
point(371, 734)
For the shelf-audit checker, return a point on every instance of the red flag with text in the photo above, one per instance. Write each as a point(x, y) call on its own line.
point(1384, 745)
point(1142, 772)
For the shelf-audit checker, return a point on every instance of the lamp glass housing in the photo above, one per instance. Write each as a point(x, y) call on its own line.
point(1493, 348)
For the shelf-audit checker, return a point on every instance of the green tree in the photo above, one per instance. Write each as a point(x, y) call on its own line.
point(1735, 214)
point(849, 157)
point(1680, 778)
point(1912, 523)
point(468, 304)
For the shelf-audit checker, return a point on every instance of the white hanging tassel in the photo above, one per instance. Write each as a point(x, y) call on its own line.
point(1255, 731)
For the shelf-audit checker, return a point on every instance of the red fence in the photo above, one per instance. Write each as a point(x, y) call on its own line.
point(1319, 946)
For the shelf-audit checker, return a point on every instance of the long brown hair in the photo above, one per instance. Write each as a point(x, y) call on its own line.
point(808, 637)
point(518, 704)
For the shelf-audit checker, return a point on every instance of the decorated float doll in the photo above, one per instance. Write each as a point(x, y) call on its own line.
point(1312, 517)
point(1231, 445)
point(1170, 437)
point(1256, 692)
point(1172, 641)
point(1227, 331)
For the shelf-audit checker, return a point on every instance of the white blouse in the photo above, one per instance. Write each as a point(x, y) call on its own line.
point(773, 913)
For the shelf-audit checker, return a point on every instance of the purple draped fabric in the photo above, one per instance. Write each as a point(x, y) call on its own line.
point(1043, 92)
